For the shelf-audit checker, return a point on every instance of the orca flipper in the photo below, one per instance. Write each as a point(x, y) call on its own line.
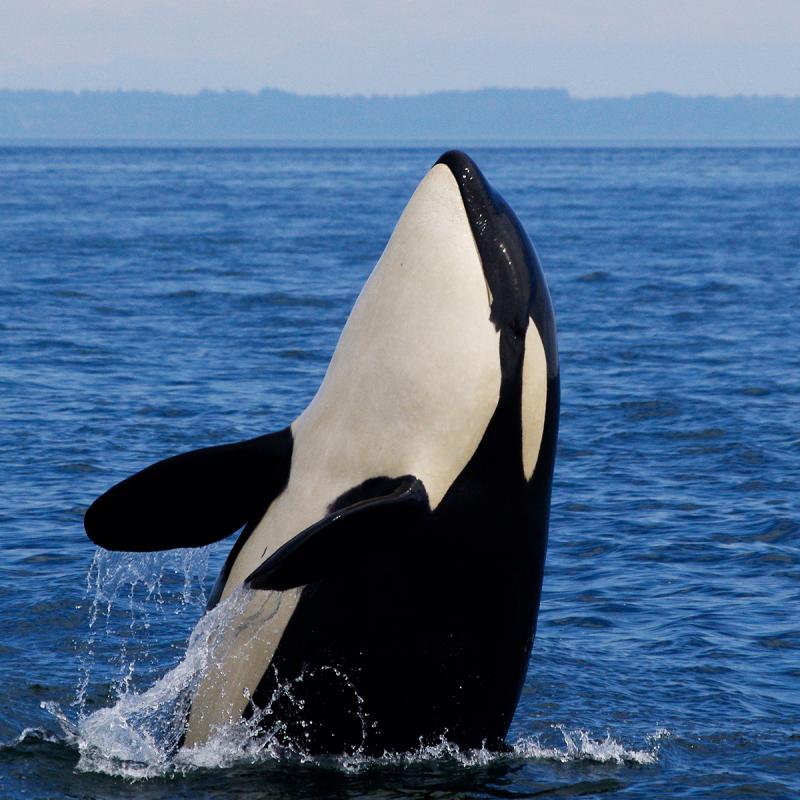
point(345, 536)
point(192, 499)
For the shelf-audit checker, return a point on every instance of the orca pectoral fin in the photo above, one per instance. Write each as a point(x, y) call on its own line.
point(348, 535)
point(192, 499)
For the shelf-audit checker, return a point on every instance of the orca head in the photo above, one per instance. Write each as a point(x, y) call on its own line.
point(514, 277)
point(520, 310)
point(436, 341)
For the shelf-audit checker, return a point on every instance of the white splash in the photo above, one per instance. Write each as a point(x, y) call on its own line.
point(135, 597)
point(579, 745)
point(139, 735)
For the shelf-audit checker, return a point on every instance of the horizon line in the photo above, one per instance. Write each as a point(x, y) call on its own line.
point(404, 96)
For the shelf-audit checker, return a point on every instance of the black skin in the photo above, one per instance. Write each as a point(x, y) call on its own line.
point(413, 625)
point(192, 499)
point(427, 635)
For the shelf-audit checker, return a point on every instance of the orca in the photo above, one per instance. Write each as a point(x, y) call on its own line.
point(393, 536)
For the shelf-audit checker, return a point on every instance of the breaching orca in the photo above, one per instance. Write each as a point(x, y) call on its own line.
point(400, 522)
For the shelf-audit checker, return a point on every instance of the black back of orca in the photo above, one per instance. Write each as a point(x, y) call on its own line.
point(431, 639)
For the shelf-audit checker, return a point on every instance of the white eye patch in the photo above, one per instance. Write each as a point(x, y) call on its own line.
point(534, 399)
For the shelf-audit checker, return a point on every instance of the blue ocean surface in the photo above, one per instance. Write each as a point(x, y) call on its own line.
point(158, 299)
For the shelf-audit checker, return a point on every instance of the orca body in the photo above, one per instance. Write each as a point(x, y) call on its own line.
point(395, 533)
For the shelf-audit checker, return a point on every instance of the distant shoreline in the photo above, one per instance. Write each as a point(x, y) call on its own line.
point(378, 96)
point(505, 117)
point(355, 144)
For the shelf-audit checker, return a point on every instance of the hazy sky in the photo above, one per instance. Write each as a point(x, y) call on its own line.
point(591, 47)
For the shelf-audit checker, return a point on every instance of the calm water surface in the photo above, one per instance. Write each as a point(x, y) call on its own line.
point(154, 300)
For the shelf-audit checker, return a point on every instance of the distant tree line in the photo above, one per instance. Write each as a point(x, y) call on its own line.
point(489, 114)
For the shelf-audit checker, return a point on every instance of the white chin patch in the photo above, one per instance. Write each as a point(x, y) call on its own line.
point(534, 399)
point(415, 377)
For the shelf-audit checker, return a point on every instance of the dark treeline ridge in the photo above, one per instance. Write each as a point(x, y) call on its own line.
point(487, 114)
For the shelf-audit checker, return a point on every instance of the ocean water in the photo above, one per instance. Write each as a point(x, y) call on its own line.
point(158, 299)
